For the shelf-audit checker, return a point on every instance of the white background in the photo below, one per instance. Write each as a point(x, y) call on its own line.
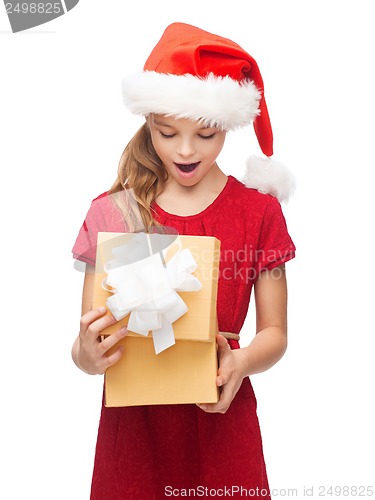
point(63, 128)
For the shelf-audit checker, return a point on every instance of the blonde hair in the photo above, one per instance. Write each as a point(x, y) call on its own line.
point(141, 171)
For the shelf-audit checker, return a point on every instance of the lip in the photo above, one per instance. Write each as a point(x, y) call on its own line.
point(186, 169)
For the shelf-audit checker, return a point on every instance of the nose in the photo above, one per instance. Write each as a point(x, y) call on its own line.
point(186, 147)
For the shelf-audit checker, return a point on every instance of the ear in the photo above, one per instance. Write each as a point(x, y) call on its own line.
point(269, 176)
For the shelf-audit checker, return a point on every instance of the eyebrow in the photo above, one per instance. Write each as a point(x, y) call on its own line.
point(160, 123)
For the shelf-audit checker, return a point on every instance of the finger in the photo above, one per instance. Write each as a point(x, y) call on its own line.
point(221, 341)
point(222, 379)
point(214, 407)
point(111, 340)
point(220, 407)
point(113, 358)
point(91, 316)
point(224, 374)
point(224, 350)
point(222, 346)
point(95, 328)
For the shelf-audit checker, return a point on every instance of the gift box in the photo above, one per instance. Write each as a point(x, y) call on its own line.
point(164, 288)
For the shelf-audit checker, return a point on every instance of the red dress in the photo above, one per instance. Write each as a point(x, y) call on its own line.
point(153, 452)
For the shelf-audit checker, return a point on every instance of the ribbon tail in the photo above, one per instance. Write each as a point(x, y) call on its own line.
point(163, 337)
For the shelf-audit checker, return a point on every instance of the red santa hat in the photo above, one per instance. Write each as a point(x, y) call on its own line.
point(194, 74)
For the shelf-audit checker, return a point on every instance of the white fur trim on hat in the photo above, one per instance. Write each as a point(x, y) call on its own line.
point(213, 100)
point(269, 176)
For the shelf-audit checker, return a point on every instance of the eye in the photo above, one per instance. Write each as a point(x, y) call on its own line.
point(166, 136)
point(207, 137)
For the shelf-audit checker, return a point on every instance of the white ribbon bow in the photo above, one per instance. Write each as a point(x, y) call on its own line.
point(148, 290)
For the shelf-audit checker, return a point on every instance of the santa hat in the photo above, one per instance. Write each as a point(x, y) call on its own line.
point(194, 74)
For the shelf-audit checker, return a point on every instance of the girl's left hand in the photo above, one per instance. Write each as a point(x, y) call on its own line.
point(229, 377)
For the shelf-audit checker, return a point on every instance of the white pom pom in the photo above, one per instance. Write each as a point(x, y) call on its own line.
point(269, 176)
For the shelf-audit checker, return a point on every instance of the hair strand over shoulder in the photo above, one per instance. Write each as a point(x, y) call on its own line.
point(140, 169)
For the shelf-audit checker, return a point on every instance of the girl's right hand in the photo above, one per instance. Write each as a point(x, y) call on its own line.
point(89, 351)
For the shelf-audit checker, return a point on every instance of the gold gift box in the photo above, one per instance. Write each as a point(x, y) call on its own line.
point(185, 372)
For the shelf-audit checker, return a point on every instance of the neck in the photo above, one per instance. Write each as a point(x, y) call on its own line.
point(190, 200)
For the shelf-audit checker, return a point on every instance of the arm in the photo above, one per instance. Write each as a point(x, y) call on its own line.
point(89, 351)
point(270, 342)
point(267, 347)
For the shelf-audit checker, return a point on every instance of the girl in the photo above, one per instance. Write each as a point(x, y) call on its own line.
point(194, 88)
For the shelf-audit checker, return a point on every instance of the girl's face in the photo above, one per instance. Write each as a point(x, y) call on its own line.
point(187, 149)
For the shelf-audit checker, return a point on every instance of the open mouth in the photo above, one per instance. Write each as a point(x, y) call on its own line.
point(187, 167)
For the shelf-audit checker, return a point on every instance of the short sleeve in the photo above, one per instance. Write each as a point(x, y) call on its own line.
point(103, 216)
point(275, 245)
